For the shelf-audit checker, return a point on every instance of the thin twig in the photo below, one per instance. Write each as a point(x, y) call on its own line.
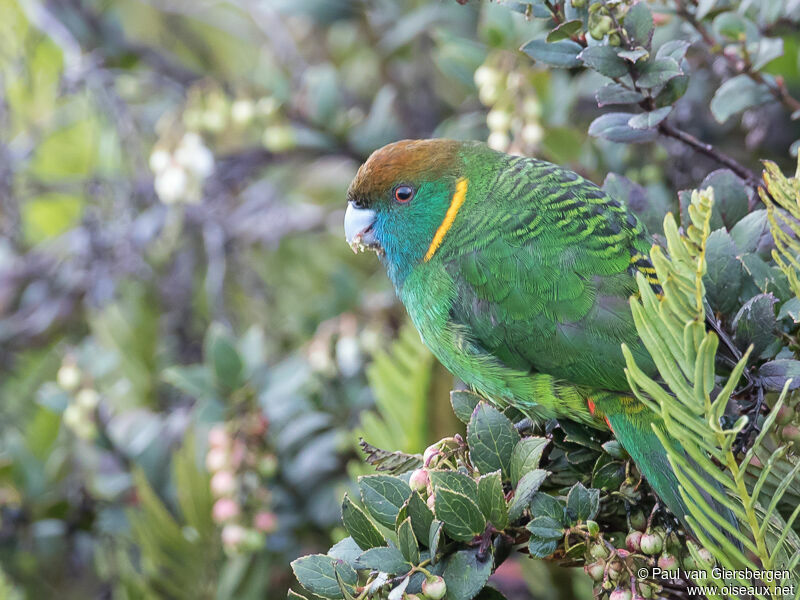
point(704, 148)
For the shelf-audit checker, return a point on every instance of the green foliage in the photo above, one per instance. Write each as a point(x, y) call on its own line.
point(673, 330)
point(400, 378)
point(177, 553)
point(158, 177)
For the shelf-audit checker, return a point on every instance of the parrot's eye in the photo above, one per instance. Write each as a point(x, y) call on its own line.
point(403, 193)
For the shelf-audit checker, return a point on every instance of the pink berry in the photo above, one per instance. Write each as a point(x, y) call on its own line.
point(233, 536)
point(265, 521)
point(620, 594)
point(633, 541)
point(419, 480)
point(218, 437)
point(216, 459)
point(223, 483)
point(224, 510)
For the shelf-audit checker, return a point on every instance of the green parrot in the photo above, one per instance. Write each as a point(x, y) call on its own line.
point(517, 274)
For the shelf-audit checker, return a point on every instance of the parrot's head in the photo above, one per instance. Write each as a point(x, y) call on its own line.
point(400, 198)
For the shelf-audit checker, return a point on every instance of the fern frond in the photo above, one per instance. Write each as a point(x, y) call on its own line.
point(672, 327)
point(784, 193)
point(400, 379)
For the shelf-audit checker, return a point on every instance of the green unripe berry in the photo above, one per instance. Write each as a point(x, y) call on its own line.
point(592, 527)
point(614, 570)
point(596, 570)
point(434, 587)
point(651, 543)
point(598, 550)
point(578, 3)
point(638, 520)
point(613, 39)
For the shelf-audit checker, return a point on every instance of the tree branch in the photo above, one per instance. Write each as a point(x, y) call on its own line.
point(687, 138)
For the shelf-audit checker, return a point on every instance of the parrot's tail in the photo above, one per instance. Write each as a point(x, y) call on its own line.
point(632, 424)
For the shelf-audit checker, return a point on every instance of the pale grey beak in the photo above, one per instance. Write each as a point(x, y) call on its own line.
point(358, 231)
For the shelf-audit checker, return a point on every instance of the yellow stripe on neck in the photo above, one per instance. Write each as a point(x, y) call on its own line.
point(449, 217)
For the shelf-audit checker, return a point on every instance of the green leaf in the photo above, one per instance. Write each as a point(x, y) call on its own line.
point(358, 525)
point(462, 518)
point(614, 449)
point(491, 437)
point(564, 31)
point(774, 374)
point(724, 272)
point(604, 59)
point(658, 72)
point(737, 94)
point(755, 323)
point(435, 538)
point(383, 495)
point(465, 574)
point(526, 488)
point(616, 93)
point(346, 550)
point(730, 25)
point(674, 49)
point(490, 593)
point(317, 573)
point(673, 90)
point(614, 127)
point(582, 504)
point(752, 234)
point(402, 515)
point(526, 456)
point(221, 353)
point(541, 548)
point(492, 501)
point(562, 54)
point(194, 380)
point(407, 542)
point(704, 7)
point(639, 24)
point(454, 480)
point(544, 505)
point(730, 197)
point(421, 517)
point(609, 477)
point(464, 403)
point(650, 120)
point(768, 50)
point(790, 308)
point(633, 56)
point(546, 528)
point(385, 559)
point(768, 279)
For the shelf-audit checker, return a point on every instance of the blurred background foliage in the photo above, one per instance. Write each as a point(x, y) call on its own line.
point(189, 353)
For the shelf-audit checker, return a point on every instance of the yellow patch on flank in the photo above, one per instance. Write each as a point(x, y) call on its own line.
point(449, 217)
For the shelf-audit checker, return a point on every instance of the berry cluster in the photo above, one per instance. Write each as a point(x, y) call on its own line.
point(80, 415)
point(241, 466)
point(514, 119)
